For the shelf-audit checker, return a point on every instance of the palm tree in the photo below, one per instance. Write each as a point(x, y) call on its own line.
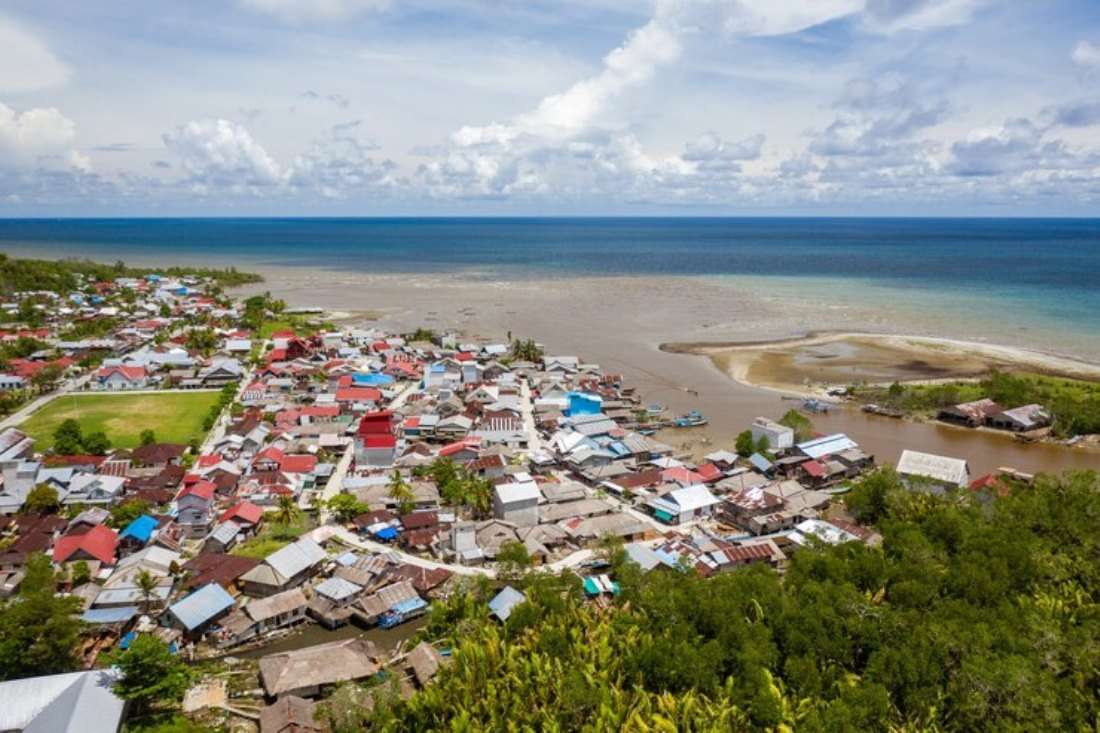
point(401, 492)
point(286, 511)
point(146, 584)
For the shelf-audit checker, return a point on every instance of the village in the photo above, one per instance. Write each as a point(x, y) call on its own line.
point(339, 477)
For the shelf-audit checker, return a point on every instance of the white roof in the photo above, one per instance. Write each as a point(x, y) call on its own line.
point(81, 702)
point(823, 531)
point(828, 446)
point(694, 497)
point(938, 468)
point(517, 492)
point(296, 557)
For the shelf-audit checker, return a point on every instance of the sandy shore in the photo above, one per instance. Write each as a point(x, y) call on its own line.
point(811, 364)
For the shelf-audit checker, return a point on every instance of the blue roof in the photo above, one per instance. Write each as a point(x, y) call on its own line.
point(501, 606)
point(140, 529)
point(109, 615)
point(760, 463)
point(375, 379)
point(201, 606)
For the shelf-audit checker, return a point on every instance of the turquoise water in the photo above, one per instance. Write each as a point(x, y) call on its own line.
point(1036, 277)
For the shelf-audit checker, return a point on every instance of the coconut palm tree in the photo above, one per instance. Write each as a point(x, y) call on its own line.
point(286, 511)
point(146, 584)
point(401, 492)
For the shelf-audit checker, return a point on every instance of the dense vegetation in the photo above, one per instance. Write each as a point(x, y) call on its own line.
point(1074, 404)
point(38, 630)
point(976, 613)
point(63, 276)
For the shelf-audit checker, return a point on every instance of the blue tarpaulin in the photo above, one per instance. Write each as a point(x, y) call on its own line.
point(386, 534)
point(141, 529)
point(374, 380)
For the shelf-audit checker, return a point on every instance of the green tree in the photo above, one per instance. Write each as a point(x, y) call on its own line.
point(46, 378)
point(513, 561)
point(38, 630)
point(146, 584)
point(68, 439)
point(345, 507)
point(868, 499)
point(799, 423)
point(97, 443)
point(401, 492)
point(286, 511)
point(148, 437)
point(763, 445)
point(121, 515)
point(744, 444)
point(81, 573)
point(150, 673)
point(42, 499)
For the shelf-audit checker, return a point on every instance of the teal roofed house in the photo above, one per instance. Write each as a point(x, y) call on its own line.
point(584, 403)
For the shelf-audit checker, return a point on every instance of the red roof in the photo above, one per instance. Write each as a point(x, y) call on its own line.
point(815, 469)
point(276, 355)
point(358, 394)
point(99, 542)
point(299, 464)
point(709, 473)
point(473, 444)
point(344, 381)
point(373, 440)
point(681, 475)
point(320, 411)
point(270, 454)
point(376, 423)
point(464, 356)
point(128, 372)
point(246, 511)
point(207, 461)
point(201, 489)
point(284, 334)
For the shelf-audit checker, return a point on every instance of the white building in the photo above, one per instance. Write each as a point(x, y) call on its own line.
point(779, 436)
point(933, 473)
point(517, 502)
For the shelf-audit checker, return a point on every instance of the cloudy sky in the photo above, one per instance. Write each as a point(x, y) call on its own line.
point(378, 107)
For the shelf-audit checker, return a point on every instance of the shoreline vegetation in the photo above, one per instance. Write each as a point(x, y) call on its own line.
point(62, 275)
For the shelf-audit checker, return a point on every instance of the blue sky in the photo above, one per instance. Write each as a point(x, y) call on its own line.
point(377, 107)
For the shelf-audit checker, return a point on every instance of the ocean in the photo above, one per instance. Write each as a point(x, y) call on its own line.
point(1037, 277)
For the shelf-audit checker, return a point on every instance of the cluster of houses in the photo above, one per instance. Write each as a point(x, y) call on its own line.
point(557, 446)
point(987, 413)
point(141, 327)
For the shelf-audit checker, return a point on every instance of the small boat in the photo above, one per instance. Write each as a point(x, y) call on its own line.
point(690, 420)
point(811, 405)
point(884, 411)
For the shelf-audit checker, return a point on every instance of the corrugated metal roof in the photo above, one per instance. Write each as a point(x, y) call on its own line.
point(201, 606)
point(296, 557)
point(338, 589)
point(502, 605)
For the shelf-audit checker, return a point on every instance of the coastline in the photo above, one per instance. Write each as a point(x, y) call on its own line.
point(918, 360)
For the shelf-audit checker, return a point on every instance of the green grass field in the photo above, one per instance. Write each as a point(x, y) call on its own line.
point(175, 417)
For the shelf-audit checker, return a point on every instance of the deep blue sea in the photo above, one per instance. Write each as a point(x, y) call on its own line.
point(1043, 271)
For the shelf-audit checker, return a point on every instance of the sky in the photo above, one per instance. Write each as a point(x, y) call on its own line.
point(530, 107)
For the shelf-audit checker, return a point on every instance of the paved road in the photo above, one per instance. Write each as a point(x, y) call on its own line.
point(527, 409)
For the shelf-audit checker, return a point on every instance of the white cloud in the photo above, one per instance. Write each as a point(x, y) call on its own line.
point(223, 154)
point(1086, 55)
point(888, 16)
point(315, 11)
point(26, 63)
point(34, 131)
